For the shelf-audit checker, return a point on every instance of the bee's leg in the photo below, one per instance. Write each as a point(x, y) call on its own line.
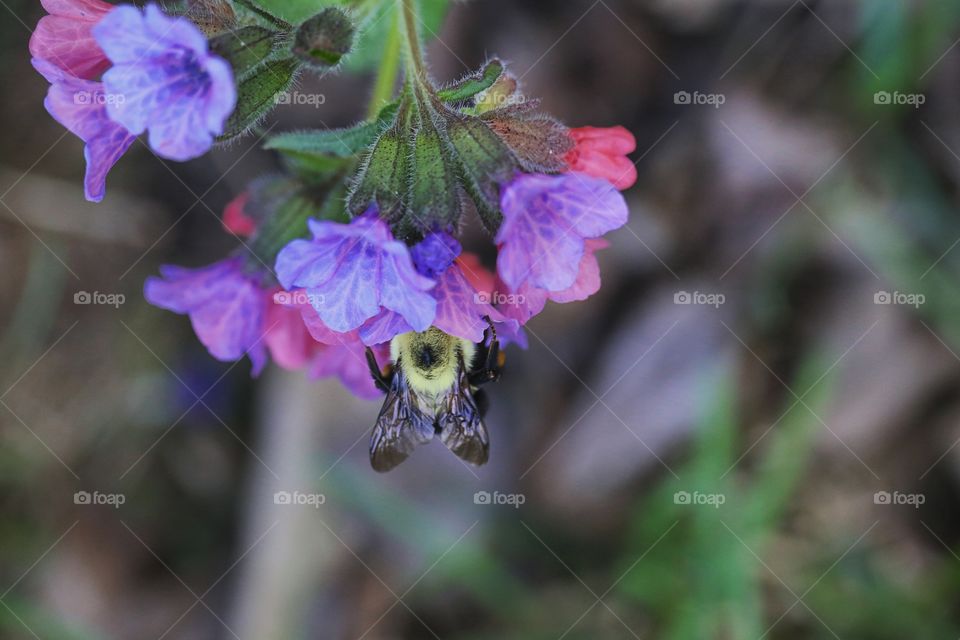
point(381, 379)
point(483, 402)
point(492, 360)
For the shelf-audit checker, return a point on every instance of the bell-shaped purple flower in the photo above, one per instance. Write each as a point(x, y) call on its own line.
point(226, 304)
point(164, 80)
point(547, 220)
point(80, 106)
point(355, 272)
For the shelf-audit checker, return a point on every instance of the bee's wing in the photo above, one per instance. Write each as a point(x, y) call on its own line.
point(400, 427)
point(461, 427)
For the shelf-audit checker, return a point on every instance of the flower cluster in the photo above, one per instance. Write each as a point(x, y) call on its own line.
point(155, 74)
point(356, 241)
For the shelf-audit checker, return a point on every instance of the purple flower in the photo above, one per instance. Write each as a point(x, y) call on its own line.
point(547, 220)
point(462, 311)
point(355, 272)
point(79, 105)
point(164, 80)
point(227, 307)
point(435, 253)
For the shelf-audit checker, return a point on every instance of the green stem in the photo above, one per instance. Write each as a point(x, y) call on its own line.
point(387, 75)
point(415, 62)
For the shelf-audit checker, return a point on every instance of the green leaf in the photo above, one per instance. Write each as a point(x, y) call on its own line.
point(257, 95)
point(383, 177)
point(245, 49)
point(472, 84)
point(485, 162)
point(434, 201)
point(340, 143)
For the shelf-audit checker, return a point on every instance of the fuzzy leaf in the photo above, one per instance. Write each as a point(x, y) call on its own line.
point(539, 143)
point(485, 163)
point(340, 143)
point(473, 84)
point(257, 95)
point(383, 178)
point(434, 201)
point(245, 49)
point(211, 16)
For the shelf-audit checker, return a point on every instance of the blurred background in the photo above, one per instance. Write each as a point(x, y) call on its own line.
point(751, 432)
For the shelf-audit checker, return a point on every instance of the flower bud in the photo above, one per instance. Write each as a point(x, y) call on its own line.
point(324, 39)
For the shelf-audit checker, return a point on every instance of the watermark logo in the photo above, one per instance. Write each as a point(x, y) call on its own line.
point(715, 100)
point(886, 298)
point(697, 498)
point(299, 499)
point(496, 498)
point(498, 100)
point(896, 498)
point(297, 298)
point(109, 299)
point(299, 98)
point(98, 98)
point(114, 500)
point(500, 299)
point(699, 298)
point(898, 99)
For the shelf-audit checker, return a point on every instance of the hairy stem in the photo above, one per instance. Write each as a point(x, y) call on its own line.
point(415, 62)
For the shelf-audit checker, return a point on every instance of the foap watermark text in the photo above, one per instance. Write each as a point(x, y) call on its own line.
point(299, 499)
point(114, 500)
point(98, 298)
point(496, 498)
point(698, 498)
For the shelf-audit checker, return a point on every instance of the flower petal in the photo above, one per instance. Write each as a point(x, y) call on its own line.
point(79, 106)
point(227, 308)
point(588, 279)
point(546, 219)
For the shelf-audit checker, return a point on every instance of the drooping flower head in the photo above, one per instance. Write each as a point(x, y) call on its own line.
point(63, 38)
point(80, 106)
point(547, 221)
point(226, 305)
point(602, 153)
point(164, 80)
point(355, 273)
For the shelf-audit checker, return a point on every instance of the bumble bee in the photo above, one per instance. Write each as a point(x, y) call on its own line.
point(433, 389)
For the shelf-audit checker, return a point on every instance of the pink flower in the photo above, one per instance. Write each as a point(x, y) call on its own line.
point(297, 339)
point(529, 301)
point(290, 344)
point(602, 153)
point(63, 38)
point(79, 105)
point(462, 311)
point(488, 288)
point(235, 218)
